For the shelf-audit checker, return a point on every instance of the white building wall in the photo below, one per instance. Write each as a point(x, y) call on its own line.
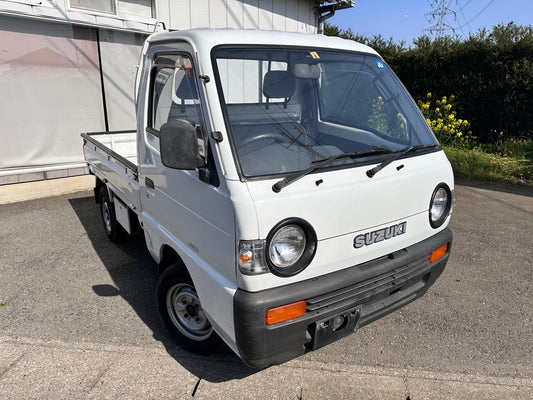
point(61, 11)
point(119, 54)
point(50, 85)
point(52, 99)
point(283, 15)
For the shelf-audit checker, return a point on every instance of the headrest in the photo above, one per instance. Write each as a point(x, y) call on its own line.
point(187, 89)
point(278, 84)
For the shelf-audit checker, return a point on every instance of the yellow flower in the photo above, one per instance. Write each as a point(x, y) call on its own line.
point(459, 134)
point(439, 126)
point(452, 97)
point(448, 107)
point(429, 95)
point(437, 109)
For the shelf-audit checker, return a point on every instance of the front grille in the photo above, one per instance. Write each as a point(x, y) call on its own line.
point(384, 285)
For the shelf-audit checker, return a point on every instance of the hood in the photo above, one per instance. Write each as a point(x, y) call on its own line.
point(346, 201)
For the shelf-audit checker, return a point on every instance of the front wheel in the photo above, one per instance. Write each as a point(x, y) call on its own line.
point(180, 310)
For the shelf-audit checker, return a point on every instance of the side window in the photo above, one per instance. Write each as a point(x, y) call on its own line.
point(174, 95)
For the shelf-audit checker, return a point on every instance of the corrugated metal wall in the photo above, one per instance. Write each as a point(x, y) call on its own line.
point(283, 15)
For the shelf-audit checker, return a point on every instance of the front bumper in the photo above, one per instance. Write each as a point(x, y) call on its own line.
point(361, 294)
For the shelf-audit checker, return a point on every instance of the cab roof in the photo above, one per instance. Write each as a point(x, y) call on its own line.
point(204, 39)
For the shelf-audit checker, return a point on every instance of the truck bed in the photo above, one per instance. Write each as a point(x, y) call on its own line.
point(112, 157)
point(122, 145)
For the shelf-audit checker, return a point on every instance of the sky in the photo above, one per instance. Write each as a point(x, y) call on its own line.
point(405, 20)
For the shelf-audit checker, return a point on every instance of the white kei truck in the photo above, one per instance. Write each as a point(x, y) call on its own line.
point(287, 186)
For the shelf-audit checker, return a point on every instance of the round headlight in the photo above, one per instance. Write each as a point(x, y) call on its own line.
point(440, 205)
point(287, 246)
point(291, 246)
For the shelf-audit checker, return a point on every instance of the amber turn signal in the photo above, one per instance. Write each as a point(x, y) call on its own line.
point(436, 254)
point(286, 312)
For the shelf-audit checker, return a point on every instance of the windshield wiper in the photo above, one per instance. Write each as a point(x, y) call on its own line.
point(397, 154)
point(276, 187)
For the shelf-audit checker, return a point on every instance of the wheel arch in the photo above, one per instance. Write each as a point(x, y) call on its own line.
point(168, 257)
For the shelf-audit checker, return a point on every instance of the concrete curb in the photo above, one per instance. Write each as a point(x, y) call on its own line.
point(47, 188)
point(32, 368)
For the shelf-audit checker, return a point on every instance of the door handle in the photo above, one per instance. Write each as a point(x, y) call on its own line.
point(149, 183)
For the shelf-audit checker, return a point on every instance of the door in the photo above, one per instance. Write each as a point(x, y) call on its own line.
point(189, 210)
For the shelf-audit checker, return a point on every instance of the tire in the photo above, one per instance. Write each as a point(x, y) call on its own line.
point(180, 310)
point(112, 228)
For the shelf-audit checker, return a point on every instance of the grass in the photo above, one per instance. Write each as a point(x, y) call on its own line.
point(509, 163)
point(514, 148)
point(4, 304)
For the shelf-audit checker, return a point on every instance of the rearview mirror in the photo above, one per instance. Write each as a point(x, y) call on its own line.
point(309, 71)
point(179, 146)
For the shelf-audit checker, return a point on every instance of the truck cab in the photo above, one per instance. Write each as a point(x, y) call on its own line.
point(287, 185)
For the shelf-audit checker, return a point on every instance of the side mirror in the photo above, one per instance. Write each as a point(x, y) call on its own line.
point(179, 146)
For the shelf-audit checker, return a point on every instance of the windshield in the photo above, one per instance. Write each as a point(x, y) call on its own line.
point(289, 108)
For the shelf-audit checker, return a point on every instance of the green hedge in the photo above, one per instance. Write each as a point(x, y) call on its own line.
point(489, 167)
point(490, 74)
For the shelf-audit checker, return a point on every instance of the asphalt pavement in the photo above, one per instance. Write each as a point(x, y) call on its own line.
point(77, 318)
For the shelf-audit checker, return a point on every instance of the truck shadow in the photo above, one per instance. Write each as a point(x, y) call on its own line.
point(134, 275)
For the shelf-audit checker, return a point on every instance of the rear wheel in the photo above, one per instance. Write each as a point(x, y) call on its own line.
point(180, 310)
point(112, 228)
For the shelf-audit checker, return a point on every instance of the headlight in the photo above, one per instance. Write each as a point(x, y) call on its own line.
point(440, 205)
point(291, 246)
point(287, 246)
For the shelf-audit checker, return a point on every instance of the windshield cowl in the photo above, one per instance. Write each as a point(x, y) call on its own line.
point(395, 155)
point(324, 163)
